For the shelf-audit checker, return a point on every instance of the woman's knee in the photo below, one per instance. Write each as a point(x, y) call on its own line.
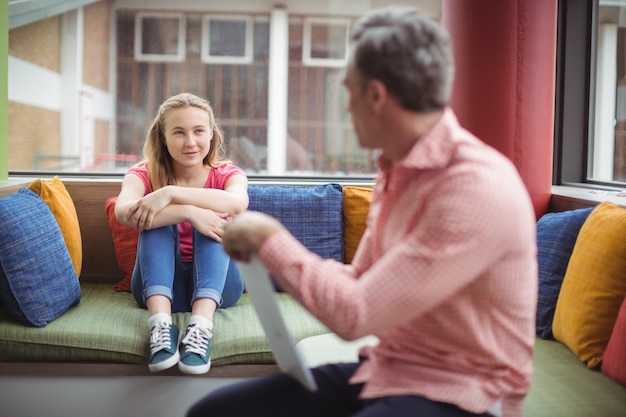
point(158, 235)
point(233, 287)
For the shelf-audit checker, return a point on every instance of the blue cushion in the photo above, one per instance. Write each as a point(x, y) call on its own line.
point(313, 214)
point(556, 236)
point(38, 281)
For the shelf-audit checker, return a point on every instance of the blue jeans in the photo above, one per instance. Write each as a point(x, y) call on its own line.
point(282, 396)
point(159, 270)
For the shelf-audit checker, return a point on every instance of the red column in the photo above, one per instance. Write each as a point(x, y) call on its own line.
point(505, 57)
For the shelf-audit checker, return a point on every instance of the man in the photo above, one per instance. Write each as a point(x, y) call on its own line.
point(445, 274)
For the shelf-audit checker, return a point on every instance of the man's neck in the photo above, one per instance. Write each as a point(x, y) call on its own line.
point(409, 129)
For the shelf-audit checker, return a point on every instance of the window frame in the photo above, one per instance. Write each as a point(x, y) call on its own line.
point(572, 92)
point(574, 95)
point(205, 55)
point(307, 42)
point(182, 31)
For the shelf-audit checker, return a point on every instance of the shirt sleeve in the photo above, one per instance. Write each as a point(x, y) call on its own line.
point(220, 176)
point(141, 170)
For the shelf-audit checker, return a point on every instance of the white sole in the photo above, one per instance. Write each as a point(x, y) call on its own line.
point(161, 366)
point(194, 370)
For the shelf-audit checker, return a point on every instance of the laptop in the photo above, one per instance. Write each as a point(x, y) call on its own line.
point(261, 292)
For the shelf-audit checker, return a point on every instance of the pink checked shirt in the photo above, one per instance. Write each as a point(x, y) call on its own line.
point(445, 276)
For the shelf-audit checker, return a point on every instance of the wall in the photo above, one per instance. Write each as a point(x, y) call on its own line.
point(96, 32)
point(38, 43)
point(505, 53)
point(35, 47)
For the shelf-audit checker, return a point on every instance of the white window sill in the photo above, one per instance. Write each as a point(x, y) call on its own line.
point(578, 197)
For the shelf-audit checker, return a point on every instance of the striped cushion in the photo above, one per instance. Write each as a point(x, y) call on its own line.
point(556, 236)
point(313, 215)
point(108, 326)
point(38, 281)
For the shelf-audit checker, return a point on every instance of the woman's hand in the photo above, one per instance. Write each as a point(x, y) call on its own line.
point(142, 213)
point(208, 222)
point(246, 233)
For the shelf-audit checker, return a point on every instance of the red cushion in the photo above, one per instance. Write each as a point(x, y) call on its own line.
point(614, 360)
point(125, 243)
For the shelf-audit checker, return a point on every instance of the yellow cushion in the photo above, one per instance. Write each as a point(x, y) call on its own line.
point(594, 285)
point(356, 204)
point(58, 199)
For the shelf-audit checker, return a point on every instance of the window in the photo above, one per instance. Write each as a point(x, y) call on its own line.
point(227, 40)
point(325, 42)
point(159, 37)
point(607, 162)
point(235, 87)
point(92, 75)
point(590, 130)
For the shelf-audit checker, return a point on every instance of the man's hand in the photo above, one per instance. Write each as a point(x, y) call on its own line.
point(246, 233)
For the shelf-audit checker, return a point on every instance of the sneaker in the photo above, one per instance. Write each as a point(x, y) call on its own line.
point(164, 340)
point(195, 349)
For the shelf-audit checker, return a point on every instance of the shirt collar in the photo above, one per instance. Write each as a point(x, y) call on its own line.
point(431, 151)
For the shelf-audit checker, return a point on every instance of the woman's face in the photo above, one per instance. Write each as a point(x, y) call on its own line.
point(188, 134)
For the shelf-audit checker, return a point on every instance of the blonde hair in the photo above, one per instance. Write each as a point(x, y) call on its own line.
point(160, 169)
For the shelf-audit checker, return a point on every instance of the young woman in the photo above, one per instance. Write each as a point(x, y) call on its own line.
point(180, 197)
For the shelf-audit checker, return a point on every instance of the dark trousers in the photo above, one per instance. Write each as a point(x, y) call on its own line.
point(282, 396)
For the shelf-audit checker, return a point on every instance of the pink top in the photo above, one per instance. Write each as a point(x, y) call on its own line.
point(445, 276)
point(217, 179)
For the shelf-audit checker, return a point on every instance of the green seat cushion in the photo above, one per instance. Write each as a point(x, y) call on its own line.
point(562, 386)
point(108, 326)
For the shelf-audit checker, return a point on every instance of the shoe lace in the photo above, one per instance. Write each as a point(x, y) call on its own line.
point(160, 337)
point(197, 339)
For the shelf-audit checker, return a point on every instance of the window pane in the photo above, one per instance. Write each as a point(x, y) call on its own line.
point(227, 37)
point(159, 36)
point(94, 77)
point(329, 41)
point(608, 145)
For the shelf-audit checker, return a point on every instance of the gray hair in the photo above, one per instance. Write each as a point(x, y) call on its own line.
point(408, 52)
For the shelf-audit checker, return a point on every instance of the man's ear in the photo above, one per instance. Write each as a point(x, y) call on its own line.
point(377, 94)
